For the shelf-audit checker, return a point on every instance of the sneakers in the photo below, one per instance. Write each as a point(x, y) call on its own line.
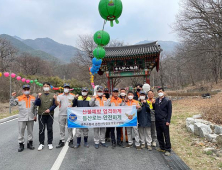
point(142, 146)
point(138, 148)
point(154, 144)
point(61, 144)
point(86, 145)
point(30, 145)
point(41, 146)
point(97, 146)
point(167, 153)
point(160, 150)
point(129, 146)
point(21, 147)
point(77, 145)
point(120, 144)
point(50, 146)
point(149, 148)
point(104, 145)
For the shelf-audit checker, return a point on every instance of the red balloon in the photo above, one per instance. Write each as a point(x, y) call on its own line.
point(90, 68)
point(54, 88)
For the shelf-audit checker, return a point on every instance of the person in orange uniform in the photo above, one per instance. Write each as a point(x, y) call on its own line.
point(99, 101)
point(123, 97)
point(115, 101)
point(27, 116)
point(131, 102)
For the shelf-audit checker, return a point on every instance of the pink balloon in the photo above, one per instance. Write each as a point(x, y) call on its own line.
point(6, 74)
point(23, 80)
point(19, 78)
point(28, 81)
point(13, 75)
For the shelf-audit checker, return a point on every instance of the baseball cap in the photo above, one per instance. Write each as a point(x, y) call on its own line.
point(99, 88)
point(106, 90)
point(84, 89)
point(115, 89)
point(142, 92)
point(26, 86)
point(66, 85)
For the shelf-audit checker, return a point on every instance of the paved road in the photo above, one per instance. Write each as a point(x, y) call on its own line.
point(77, 159)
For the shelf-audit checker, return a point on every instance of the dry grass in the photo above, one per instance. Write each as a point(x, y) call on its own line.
point(188, 146)
point(189, 93)
point(4, 110)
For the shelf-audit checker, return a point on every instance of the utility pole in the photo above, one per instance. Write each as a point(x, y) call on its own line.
point(10, 93)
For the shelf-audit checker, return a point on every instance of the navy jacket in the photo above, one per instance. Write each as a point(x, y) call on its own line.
point(81, 102)
point(163, 110)
point(144, 116)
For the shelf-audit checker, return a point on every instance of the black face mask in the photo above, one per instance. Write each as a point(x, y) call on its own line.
point(107, 95)
point(138, 90)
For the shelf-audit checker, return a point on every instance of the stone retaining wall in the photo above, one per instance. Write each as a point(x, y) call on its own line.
point(205, 129)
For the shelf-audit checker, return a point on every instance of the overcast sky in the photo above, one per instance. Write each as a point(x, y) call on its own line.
point(64, 20)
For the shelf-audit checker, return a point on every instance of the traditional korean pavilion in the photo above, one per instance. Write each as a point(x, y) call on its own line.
point(130, 61)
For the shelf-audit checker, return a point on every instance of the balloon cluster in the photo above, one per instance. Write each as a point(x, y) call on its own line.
point(109, 10)
point(24, 80)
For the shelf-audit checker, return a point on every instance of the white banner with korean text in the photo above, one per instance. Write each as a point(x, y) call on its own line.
point(92, 117)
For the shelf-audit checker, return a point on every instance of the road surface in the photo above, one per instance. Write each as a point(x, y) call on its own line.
point(77, 159)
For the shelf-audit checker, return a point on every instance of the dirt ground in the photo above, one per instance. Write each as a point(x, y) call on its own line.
point(4, 110)
point(188, 146)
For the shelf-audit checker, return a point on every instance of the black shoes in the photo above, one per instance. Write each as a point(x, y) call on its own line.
point(71, 144)
point(30, 145)
point(61, 144)
point(21, 147)
point(113, 145)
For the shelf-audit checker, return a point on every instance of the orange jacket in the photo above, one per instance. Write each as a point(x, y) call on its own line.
point(27, 108)
point(114, 101)
point(98, 102)
point(132, 103)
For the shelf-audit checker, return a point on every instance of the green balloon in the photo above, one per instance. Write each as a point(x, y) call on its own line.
point(101, 38)
point(110, 10)
point(99, 52)
point(31, 81)
point(36, 81)
point(41, 84)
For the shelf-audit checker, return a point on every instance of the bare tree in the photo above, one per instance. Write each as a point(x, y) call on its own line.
point(7, 54)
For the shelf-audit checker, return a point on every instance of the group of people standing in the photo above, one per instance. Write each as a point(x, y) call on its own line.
point(153, 117)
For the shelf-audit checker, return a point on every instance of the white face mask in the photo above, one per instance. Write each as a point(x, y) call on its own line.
point(130, 97)
point(161, 94)
point(100, 94)
point(123, 94)
point(46, 89)
point(66, 90)
point(84, 93)
point(142, 97)
point(26, 92)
